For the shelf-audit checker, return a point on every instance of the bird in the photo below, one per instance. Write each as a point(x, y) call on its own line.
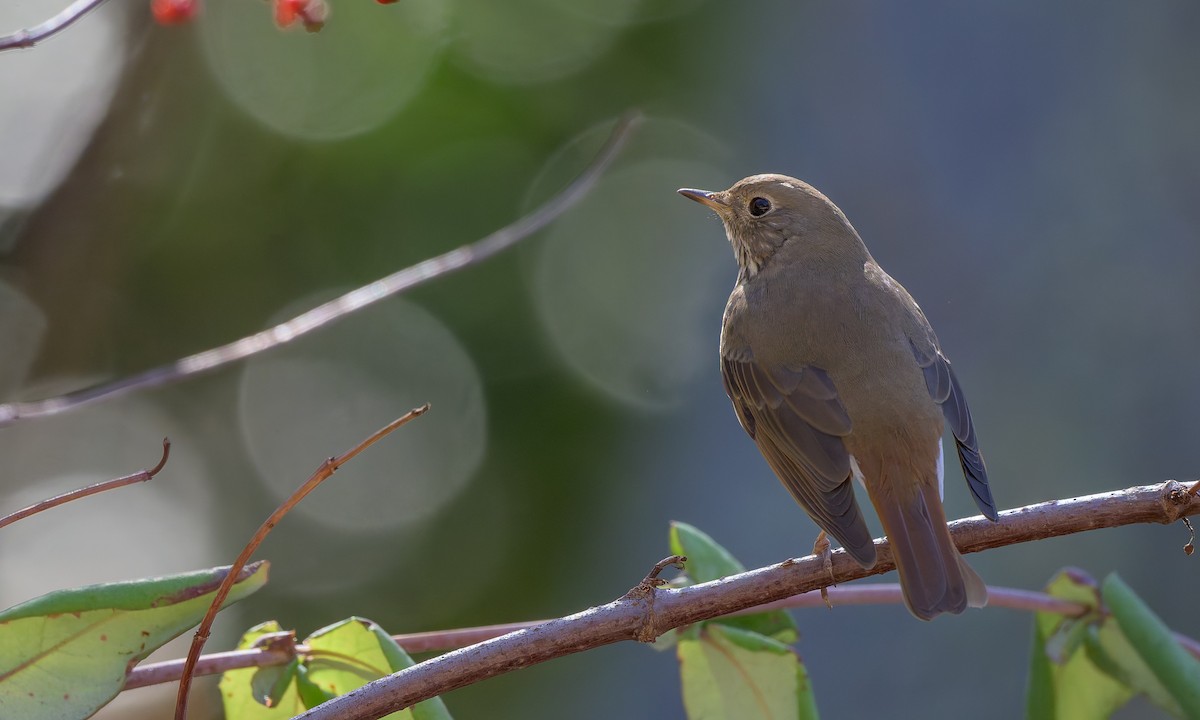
point(836, 374)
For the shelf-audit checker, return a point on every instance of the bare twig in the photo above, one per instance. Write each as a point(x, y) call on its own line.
point(137, 477)
point(29, 37)
point(627, 618)
point(328, 468)
point(652, 579)
point(338, 308)
point(889, 594)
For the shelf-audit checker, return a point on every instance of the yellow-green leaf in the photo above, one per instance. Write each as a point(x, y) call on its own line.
point(340, 658)
point(66, 654)
point(352, 653)
point(240, 694)
point(1164, 665)
point(1064, 684)
point(732, 673)
point(707, 560)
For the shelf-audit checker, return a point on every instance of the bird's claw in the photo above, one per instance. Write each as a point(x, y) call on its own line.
point(824, 550)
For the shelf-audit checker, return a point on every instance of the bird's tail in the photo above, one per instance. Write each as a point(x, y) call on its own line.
point(933, 575)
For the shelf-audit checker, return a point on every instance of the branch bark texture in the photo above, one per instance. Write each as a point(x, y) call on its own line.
point(646, 612)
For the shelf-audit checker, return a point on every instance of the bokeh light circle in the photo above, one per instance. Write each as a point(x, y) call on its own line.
point(323, 393)
point(625, 12)
point(355, 74)
point(54, 97)
point(522, 42)
point(163, 526)
point(629, 284)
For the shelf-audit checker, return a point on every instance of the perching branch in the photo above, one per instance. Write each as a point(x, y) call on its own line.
point(137, 477)
point(167, 671)
point(34, 35)
point(352, 301)
point(322, 473)
point(647, 613)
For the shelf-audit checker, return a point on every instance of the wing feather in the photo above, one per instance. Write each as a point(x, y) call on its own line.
point(797, 420)
point(945, 391)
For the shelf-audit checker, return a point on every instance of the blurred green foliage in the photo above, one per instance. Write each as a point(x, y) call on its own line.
point(1026, 170)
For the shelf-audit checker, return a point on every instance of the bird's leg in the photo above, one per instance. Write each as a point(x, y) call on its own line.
point(824, 550)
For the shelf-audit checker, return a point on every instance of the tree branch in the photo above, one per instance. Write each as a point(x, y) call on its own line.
point(322, 315)
point(647, 613)
point(442, 640)
point(34, 35)
point(166, 671)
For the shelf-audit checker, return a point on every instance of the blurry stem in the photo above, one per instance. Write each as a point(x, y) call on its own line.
point(31, 36)
point(648, 614)
point(444, 640)
point(140, 476)
point(338, 308)
point(327, 468)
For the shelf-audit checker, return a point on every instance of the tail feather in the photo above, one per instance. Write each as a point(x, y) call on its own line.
point(933, 575)
point(977, 596)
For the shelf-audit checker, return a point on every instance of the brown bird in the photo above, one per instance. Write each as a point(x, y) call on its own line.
point(835, 373)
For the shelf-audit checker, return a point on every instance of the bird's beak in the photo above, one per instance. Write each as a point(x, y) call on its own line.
point(704, 197)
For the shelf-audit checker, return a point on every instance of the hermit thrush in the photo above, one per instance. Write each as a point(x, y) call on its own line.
point(835, 373)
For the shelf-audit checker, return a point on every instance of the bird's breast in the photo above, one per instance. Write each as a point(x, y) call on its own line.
point(856, 334)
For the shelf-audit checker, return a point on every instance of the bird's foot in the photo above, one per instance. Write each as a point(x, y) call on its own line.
point(824, 550)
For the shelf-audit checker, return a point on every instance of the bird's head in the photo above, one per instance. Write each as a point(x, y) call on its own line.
point(763, 212)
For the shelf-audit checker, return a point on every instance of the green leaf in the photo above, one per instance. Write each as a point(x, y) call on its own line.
point(1109, 649)
point(398, 659)
point(733, 673)
point(706, 560)
point(66, 654)
point(1169, 663)
point(1064, 684)
point(238, 691)
point(340, 658)
point(311, 694)
point(776, 624)
point(268, 684)
point(353, 652)
point(1085, 668)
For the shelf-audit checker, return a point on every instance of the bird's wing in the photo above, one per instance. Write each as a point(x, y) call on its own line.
point(798, 422)
point(945, 391)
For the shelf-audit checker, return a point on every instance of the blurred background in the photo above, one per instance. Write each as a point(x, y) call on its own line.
point(1027, 170)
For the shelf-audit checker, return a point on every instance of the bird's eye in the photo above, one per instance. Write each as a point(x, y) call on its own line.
point(759, 206)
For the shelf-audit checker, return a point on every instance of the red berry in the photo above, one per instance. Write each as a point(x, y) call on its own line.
point(174, 12)
point(312, 13)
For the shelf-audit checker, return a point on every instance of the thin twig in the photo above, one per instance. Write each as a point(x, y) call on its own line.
point(1189, 643)
point(31, 36)
point(327, 468)
point(889, 594)
point(338, 308)
point(628, 618)
point(137, 477)
point(652, 579)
